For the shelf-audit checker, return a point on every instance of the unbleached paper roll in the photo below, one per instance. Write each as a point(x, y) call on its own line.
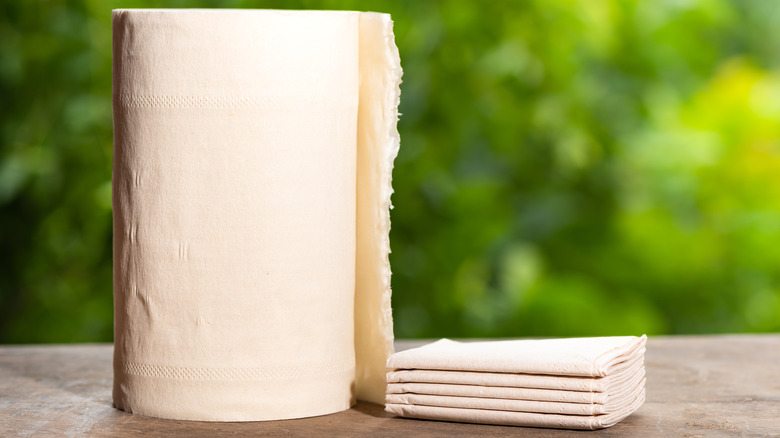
point(253, 153)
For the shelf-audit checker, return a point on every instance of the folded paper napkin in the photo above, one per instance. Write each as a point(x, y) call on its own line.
point(579, 383)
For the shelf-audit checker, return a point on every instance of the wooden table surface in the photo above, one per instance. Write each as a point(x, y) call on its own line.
point(696, 386)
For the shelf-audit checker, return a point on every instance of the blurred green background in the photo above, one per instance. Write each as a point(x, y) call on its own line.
point(566, 167)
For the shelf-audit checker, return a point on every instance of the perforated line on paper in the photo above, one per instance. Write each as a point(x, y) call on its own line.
point(184, 373)
point(230, 102)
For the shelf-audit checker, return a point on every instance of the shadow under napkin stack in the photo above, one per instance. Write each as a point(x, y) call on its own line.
point(578, 383)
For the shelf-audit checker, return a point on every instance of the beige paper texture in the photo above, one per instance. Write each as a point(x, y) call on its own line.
point(620, 373)
point(253, 153)
point(584, 357)
point(513, 418)
point(551, 395)
point(577, 383)
point(615, 394)
point(616, 402)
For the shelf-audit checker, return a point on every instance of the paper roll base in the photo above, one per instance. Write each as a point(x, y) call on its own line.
point(234, 400)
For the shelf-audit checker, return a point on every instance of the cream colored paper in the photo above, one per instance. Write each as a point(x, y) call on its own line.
point(585, 357)
point(510, 418)
point(539, 381)
point(616, 402)
point(497, 392)
point(618, 387)
point(253, 153)
point(580, 383)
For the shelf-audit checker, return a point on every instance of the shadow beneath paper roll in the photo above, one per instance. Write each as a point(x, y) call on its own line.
point(372, 410)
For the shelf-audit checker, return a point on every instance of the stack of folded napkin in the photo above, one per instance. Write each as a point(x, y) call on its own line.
point(580, 383)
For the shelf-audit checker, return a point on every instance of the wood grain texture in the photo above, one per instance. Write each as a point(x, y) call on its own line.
point(696, 386)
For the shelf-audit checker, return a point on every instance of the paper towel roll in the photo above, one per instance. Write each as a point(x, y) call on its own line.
point(253, 153)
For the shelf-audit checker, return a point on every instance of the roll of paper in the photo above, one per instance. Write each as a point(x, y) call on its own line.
point(253, 153)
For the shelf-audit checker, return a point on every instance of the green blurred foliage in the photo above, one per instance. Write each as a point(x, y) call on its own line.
point(566, 167)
